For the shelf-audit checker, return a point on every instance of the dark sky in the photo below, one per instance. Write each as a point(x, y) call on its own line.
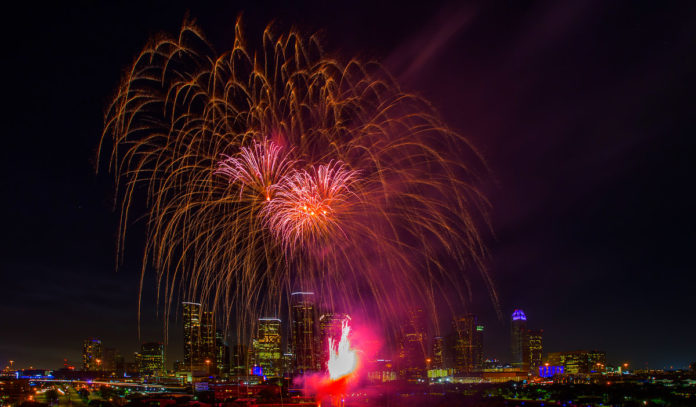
point(582, 109)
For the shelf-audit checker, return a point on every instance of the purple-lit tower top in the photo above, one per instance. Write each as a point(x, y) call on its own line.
point(518, 315)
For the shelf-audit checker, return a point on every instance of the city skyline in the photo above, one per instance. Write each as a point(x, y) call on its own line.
point(462, 348)
point(587, 142)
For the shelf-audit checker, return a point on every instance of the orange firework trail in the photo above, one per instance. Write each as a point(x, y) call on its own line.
point(281, 168)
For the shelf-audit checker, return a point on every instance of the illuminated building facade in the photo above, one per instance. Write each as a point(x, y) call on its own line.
point(536, 348)
point(199, 337)
point(152, 360)
point(468, 344)
point(222, 354)
point(382, 371)
point(597, 361)
point(303, 331)
point(92, 355)
point(330, 324)
point(520, 341)
point(437, 360)
point(192, 327)
point(412, 354)
point(288, 361)
point(267, 352)
point(579, 361)
point(207, 339)
point(477, 351)
point(550, 371)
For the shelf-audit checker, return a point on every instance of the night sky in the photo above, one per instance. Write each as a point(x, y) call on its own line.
point(583, 111)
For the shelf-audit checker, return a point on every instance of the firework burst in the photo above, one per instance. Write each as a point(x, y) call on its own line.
point(270, 170)
point(308, 206)
point(258, 169)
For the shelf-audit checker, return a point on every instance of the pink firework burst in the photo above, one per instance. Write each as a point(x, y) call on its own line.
point(307, 205)
point(259, 168)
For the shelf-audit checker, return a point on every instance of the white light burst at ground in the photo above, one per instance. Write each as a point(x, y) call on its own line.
point(342, 359)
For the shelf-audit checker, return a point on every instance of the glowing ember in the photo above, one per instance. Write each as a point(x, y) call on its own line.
point(342, 359)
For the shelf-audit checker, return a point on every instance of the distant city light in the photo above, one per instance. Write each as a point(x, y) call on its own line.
point(518, 315)
point(550, 371)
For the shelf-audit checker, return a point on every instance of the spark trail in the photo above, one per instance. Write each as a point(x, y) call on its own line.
point(271, 169)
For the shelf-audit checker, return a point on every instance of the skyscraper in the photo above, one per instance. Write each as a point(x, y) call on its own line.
point(109, 359)
point(192, 328)
point(413, 349)
point(468, 344)
point(536, 349)
point(207, 341)
point(92, 354)
point(199, 337)
point(240, 360)
point(222, 354)
point(303, 314)
point(267, 353)
point(330, 324)
point(152, 360)
point(520, 341)
point(437, 360)
point(477, 350)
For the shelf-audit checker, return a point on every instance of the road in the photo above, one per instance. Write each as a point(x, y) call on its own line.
point(67, 397)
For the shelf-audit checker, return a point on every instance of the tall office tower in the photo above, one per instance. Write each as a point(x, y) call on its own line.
point(468, 344)
point(152, 359)
point(477, 349)
point(520, 342)
point(192, 329)
point(437, 360)
point(413, 350)
point(288, 362)
point(199, 337)
point(92, 354)
point(240, 360)
point(267, 353)
point(109, 358)
point(330, 324)
point(207, 342)
point(303, 314)
point(536, 349)
point(222, 354)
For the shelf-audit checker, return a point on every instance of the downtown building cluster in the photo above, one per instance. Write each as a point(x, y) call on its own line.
point(271, 354)
point(206, 352)
point(459, 356)
point(149, 361)
point(301, 346)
